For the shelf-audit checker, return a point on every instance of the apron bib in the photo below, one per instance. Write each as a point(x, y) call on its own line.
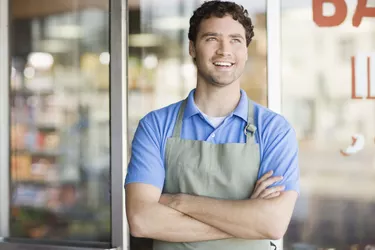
point(223, 171)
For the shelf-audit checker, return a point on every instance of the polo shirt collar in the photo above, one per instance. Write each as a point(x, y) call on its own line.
point(190, 109)
point(243, 106)
point(240, 111)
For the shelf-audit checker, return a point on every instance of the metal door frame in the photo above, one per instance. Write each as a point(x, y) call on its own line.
point(273, 16)
point(4, 118)
point(274, 54)
point(119, 113)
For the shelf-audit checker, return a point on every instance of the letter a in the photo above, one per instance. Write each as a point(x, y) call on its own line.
point(362, 11)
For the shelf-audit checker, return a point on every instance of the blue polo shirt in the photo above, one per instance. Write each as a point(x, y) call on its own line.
point(275, 136)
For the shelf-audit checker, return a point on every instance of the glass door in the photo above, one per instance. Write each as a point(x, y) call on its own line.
point(57, 164)
point(328, 83)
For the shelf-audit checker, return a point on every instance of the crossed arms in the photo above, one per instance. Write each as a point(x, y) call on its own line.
point(186, 218)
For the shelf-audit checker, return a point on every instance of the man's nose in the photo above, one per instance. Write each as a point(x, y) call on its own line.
point(224, 49)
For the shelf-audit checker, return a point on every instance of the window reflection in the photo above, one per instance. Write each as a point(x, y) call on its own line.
point(59, 101)
point(336, 206)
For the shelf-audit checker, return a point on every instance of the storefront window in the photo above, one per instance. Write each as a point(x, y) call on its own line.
point(59, 121)
point(328, 96)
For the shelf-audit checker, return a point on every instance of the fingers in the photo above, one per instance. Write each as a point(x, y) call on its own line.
point(269, 182)
point(270, 191)
point(263, 178)
point(261, 186)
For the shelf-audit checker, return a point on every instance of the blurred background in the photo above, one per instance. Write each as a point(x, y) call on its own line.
point(60, 122)
point(336, 208)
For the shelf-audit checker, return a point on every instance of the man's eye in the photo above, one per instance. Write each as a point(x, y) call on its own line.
point(211, 39)
point(237, 40)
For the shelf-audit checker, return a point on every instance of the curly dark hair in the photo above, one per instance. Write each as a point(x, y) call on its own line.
point(220, 9)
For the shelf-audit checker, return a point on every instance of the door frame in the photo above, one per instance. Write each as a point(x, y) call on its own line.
point(273, 17)
point(4, 116)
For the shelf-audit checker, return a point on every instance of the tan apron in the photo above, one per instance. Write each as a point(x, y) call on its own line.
point(225, 171)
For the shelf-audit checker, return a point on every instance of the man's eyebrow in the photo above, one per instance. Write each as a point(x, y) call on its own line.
point(237, 36)
point(210, 34)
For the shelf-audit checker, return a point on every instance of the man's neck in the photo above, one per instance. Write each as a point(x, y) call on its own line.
point(216, 101)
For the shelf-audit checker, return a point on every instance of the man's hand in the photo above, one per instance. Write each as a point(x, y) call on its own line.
point(261, 190)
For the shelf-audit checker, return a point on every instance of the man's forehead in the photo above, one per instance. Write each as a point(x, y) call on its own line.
point(224, 26)
point(220, 21)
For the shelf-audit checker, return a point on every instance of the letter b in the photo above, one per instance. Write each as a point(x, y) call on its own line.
point(341, 10)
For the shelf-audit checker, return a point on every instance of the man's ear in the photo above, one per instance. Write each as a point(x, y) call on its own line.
point(192, 49)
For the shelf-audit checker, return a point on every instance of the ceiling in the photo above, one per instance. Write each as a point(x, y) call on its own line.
point(35, 8)
point(24, 9)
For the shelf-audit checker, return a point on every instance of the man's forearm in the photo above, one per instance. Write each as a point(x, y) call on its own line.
point(160, 222)
point(249, 219)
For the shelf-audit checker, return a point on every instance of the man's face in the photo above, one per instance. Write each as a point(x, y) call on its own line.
point(220, 50)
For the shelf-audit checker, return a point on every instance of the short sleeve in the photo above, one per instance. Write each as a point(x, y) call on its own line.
point(146, 164)
point(281, 156)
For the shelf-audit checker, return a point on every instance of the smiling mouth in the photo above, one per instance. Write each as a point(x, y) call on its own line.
point(223, 64)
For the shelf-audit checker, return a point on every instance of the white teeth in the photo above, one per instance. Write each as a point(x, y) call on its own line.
point(223, 64)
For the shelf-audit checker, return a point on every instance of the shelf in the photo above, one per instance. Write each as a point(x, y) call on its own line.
point(35, 153)
point(33, 125)
point(49, 128)
point(34, 182)
point(44, 184)
point(28, 93)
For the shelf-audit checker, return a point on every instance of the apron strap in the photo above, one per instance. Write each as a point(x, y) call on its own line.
point(250, 127)
point(178, 126)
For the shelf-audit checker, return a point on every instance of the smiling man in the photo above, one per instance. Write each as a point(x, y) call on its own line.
point(216, 170)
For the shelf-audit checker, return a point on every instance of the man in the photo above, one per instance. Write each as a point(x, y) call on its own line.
point(215, 171)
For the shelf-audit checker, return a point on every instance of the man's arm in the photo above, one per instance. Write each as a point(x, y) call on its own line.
point(248, 219)
point(255, 218)
point(149, 219)
point(145, 178)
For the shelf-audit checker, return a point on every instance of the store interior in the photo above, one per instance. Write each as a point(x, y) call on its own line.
point(59, 121)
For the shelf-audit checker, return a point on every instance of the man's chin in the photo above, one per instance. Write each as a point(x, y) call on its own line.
point(223, 82)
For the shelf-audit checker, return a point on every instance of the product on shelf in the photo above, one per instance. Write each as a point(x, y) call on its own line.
point(20, 167)
point(17, 136)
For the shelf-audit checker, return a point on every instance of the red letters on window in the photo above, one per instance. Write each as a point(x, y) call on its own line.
point(362, 11)
point(338, 18)
point(341, 11)
point(363, 87)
